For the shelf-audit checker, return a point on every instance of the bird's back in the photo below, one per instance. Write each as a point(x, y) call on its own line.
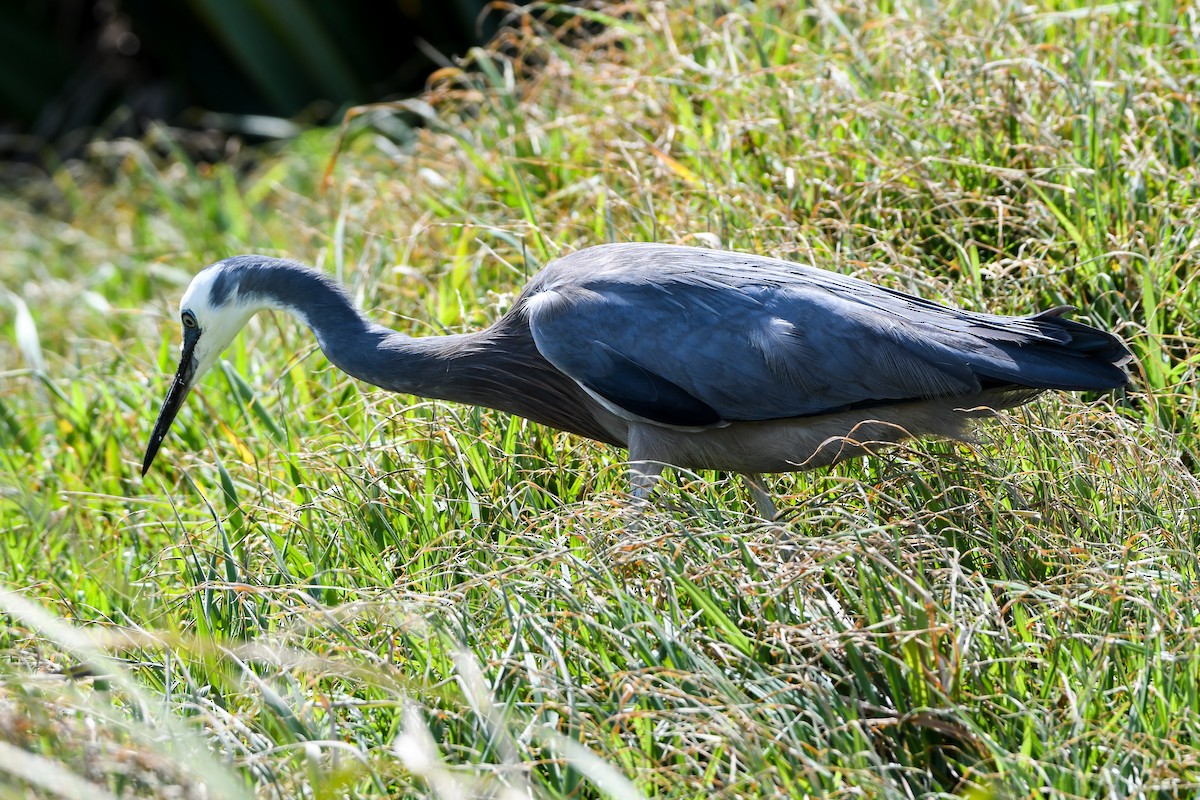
point(691, 337)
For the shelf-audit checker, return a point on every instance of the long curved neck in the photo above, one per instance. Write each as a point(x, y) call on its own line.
point(499, 367)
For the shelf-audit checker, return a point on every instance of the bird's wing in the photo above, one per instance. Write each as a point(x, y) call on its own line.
point(682, 354)
point(690, 353)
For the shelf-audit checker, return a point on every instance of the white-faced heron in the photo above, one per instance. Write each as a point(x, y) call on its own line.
point(689, 357)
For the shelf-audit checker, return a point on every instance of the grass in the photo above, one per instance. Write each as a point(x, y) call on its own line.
point(323, 591)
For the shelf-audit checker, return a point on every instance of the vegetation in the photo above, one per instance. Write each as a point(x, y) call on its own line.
point(322, 590)
point(72, 71)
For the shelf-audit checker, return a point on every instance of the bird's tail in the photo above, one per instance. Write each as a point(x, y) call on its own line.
point(1053, 352)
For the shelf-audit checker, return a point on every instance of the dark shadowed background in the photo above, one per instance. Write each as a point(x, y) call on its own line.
point(75, 70)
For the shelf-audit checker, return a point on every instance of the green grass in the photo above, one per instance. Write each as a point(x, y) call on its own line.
point(325, 591)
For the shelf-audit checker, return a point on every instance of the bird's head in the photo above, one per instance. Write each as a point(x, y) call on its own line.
point(211, 312)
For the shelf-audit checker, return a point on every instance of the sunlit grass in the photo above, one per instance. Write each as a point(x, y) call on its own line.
point(322, 590)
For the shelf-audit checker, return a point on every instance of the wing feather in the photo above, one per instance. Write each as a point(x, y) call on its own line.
point(683, 336)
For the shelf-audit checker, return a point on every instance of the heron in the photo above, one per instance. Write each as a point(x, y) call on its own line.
point(685, 356)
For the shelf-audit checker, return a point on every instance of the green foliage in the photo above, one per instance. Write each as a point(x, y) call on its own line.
point(68, 69)
point(334, 592)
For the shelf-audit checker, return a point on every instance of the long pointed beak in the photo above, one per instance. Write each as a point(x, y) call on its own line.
point(180, 386)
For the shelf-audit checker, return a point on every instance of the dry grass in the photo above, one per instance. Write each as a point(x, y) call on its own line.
point(325, 591)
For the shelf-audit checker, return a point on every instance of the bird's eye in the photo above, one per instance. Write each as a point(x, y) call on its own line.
point(189, 319)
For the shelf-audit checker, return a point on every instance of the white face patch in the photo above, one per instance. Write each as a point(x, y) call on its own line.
point(197, 297)
point(218, 324)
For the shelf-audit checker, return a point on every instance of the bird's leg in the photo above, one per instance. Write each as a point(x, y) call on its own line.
point(642, 477)
point(766, 509)
point(762, 501)
point(644, 469)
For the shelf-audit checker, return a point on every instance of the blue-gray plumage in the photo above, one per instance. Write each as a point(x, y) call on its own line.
point(691, 357)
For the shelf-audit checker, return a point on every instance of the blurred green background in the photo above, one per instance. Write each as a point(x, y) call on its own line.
point(72, 71)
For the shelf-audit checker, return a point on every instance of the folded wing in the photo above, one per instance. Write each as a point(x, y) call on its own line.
point(688, 349)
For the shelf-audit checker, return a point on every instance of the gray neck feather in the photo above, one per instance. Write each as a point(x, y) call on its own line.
point(499, 367)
